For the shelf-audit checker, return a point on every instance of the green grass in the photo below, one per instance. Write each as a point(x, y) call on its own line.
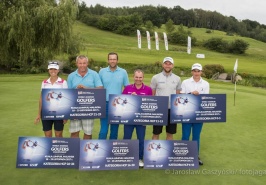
point(234, 148)
point(98, 43)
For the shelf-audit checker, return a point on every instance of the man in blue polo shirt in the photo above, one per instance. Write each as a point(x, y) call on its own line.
point(83, 78)
point(114, 79)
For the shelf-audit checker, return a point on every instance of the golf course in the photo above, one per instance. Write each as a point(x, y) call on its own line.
point(233, 152)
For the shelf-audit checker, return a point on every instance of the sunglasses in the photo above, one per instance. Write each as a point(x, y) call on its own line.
point(53, 63)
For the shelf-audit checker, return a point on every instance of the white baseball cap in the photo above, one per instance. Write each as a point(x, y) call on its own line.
point(169, 59)
point(53, 65)
point(196, 66)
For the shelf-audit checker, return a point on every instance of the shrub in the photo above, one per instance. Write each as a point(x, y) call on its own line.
point(216, 44)
point(210, 69)
point(238, 46)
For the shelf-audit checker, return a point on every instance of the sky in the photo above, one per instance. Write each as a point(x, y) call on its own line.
point(254, 10)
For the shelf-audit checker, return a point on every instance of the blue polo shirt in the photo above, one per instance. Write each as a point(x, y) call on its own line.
point(113, 81)
point(90, 80)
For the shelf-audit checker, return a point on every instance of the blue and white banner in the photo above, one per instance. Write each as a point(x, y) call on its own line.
point(170, 154)
point(43, 152)
point(148, 39)
point(109, 155)
point(138, 110)
point(59, 104)
point(188, 108)
point(156, 40)
point(139, 39)
point(189, 45)
point(165, 41)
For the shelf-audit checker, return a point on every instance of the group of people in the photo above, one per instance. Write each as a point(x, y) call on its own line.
point(115, 80)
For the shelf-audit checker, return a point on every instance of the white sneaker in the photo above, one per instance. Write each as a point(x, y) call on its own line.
point(141, 163)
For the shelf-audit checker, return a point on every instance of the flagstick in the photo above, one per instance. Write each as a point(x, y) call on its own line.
point(235, 94)
point(235, 75)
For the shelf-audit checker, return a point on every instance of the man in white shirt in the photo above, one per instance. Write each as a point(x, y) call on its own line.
point(194, 85)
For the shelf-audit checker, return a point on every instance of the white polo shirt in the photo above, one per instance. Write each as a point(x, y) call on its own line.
point(60, 83)
point(189, 85)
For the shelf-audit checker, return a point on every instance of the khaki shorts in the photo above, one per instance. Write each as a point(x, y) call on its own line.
point(83, 124)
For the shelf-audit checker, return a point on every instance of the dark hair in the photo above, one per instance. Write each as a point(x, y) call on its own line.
point(112, 53)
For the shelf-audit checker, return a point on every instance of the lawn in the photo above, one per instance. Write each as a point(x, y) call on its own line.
point(232, 152)
point(98, 43)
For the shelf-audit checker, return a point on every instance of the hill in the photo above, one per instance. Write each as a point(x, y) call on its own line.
point(98, 43)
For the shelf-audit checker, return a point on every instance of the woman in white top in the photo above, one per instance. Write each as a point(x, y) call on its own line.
point(54, 82)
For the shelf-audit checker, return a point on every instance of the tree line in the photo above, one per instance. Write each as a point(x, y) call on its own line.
point(32, 32)
point(125, 20)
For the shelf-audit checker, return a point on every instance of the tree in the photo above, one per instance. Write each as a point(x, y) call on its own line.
point(169, 26)
point(153, 16)
point(31, 32)
point(149, 26)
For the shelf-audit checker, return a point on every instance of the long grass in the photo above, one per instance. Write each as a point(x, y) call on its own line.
point(232, 152)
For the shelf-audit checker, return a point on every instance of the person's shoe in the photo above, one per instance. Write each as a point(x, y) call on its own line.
point(141, 163)
point(200, 161)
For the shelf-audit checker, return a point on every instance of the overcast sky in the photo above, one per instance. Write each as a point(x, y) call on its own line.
point(241, 9)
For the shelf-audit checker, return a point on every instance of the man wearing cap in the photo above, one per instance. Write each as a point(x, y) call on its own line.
point(165, 84)
point(54, 82)
point(194, 85)
point(83, 78)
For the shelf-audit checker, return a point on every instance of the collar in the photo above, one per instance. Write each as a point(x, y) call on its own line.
point(77, 73)
point(192, 80)
point(58, 79)
point(108, 69)
point(164, 73)
point(142, 86)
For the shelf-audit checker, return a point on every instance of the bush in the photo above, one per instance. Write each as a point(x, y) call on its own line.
point(210, 69)
point(208, 31)
point(218, 44)
point(238, 46)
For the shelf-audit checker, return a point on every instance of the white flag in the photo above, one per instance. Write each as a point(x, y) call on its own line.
point(236, 65)
point(148, 39)
point(165, 41)
point(156, 40)
point(139, 39)
point(188, 44)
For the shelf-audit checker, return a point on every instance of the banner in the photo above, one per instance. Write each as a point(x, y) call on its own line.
point(139, 39)
point(165, 41)
point(189, 45)
point(170, 154)
point(109, 155)
point(156, 40)
point(188, 108)
point(59, 104)
point(148, 39)
point(138, 110)
point(44, 152)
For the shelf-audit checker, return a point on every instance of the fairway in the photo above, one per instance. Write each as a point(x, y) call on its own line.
point(232, 152)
